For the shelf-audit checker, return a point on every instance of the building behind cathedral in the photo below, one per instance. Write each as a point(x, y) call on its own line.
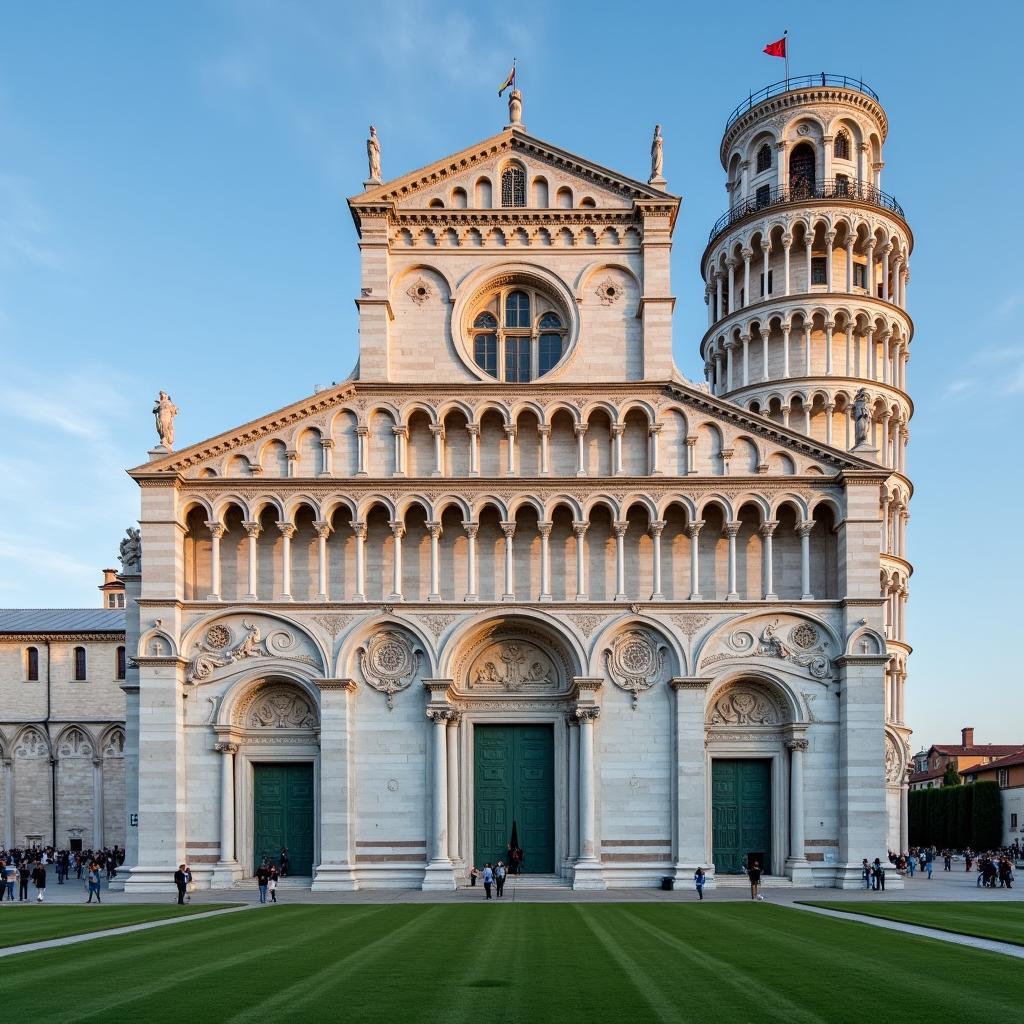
point(517, 575)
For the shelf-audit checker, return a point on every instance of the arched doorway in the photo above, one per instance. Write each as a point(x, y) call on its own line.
point(802, 171)
point(274, 736)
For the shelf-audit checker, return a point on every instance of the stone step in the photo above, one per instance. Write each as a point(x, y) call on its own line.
point(529, 882)
point(296, 882)
point(742, 882)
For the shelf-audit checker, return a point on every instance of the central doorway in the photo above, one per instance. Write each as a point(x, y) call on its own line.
point(283, 815)
point(514, 779)
point(740, 813)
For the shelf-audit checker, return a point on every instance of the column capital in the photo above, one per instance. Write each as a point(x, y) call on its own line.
point(766, 245)
point(362, 430)
point(617, 429)
point(619, 527)
point(544, 430)
point(359, 528)
point(767, 528)
point(511, 430)
point(544, 527)
point(508, 529)
point(322, 527)
point(441, 716)
point(397, 528)
point(437, 429)
point(287, 530)
point(694, 528)
point(579, 528)
point(690, 442)
point(400, 431)
point(797, 745)
point(216, 528)
point(587, 713)
point(226, 748)
point(656, 527)
point(579, 429)
point(252, 529)
point(473, 429)
point(471, 528)
point(700, 683)
point(326, 442)
point(654, 428)
point(805, 527)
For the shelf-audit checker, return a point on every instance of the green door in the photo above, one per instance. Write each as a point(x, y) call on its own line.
point(740, 813)
point(515, 782)
point(283, 815)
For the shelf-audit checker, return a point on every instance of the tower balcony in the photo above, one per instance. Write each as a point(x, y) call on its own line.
point(831, 189)
point(822, 80)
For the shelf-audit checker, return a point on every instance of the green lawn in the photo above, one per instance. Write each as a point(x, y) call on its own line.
point(513, 962)
point(28, 922)
point(1001, 921)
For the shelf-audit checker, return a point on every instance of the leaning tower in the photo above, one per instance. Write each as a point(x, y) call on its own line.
point(805, 282)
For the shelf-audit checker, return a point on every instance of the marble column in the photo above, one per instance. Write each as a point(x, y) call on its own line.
point(453, 787)
point(799, 868)
point(581, 463)
point(437, 429)
point(904, 815)
point(510, 433)
point(654, 454)
point(362, 434)
point(619, 527)
point(588, 874)
point(579, 530)
point(287, 532)
point(544, 529)
point(767, 531)
point(656, 528)
point(508, 529)
point(473, 429)
point(227, 753)
point(439, 873)
point(323, 530)
point(731, 530)
point(216, 532)
point(434, 529)
point(544, 432)
point(252, 531)
point(804, 530)
point(7, 765)
point(693, 532)
point(471, 529)
point(336, 870)
point(359, 529)
point(398, 530)
point(573, 852)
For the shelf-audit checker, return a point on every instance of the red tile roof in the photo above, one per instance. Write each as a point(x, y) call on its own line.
point(1017, 757)
point(977, 750)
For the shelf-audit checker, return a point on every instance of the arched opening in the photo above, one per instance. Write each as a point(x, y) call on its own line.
point(802, 173)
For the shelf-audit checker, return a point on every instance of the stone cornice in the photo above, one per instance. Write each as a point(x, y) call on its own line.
point(346, 685)
point(113, 636)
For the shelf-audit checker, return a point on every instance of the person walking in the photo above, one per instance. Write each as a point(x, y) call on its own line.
point(272, 884)
point(262, 881)
point(928, 868)
point(39, 881)
point(180, 883)
point(754, 874)
point(879, 875)
point(284, 861)
point(474, 874)
point(865, 873)
point(499, 878)
point(9, 880)
point(488, 880)
point(23, 876)
point(93, 878)
point(699, 878)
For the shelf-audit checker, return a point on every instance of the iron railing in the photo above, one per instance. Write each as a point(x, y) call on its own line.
point(831, 188)
point(803, 82)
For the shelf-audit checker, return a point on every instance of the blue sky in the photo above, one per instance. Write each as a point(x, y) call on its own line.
point(172, 186)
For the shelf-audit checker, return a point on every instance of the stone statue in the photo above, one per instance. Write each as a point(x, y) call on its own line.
point(373, 154)
point(861, 418)
point(657, 156)
point(131, 551)
point(165, 411)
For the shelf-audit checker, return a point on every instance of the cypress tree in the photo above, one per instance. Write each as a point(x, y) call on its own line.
point(987, 816)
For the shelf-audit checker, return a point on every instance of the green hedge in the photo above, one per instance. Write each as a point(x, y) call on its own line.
point(955, 817)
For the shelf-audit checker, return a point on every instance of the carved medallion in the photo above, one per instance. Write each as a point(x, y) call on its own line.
point(744, 705)
point(280, 707)
point(635, 661)
point(420, 291)
point(389, 663)
point(512, 665)
point(894, 766)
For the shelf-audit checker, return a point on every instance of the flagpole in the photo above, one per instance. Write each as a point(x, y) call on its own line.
point(785, 35)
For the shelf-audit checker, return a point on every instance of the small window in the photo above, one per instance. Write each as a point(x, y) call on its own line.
point(485, 353)
point(517, 310)
point(860, 275)
point(842, 185)
point(517, 360)
point(763, 196)
point(764, 159)
point(550, 352)
point(32, 664)
point(818, 270)
point(766, 291)
point(513, 187)
point(842, 146)
point(120, 663)
point(1003, 777)
point(80, 664)
point(1013, 821)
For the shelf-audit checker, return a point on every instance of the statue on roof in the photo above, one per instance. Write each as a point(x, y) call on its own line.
point(657, 158)
point(131, 551)
point(164, 411)
point(373, 155)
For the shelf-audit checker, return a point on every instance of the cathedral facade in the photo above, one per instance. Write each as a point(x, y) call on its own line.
point(517, 581)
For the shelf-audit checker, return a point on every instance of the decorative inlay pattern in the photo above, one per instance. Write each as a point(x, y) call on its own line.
point(389, 663)
point(635, 660)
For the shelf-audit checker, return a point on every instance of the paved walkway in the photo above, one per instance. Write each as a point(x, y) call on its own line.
point(991, 945)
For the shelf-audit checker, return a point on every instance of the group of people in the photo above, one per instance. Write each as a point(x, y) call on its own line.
point(269, 873)
point(21, 867)
point(992, 866)
point(492, 877)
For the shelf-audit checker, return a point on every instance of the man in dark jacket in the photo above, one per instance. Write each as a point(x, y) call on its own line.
point(23, 876)
point(181, 881)
point(39, 881)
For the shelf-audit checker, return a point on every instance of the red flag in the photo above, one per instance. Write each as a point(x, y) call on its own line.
point(776, 49)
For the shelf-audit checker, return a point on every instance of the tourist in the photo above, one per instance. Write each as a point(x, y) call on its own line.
point(181, 884)
point(488, 880)
point(272, 884)
point(263, 880)
point(911, 864)
point(928, 867)
point(865, 873)
point(93, 878)
point(474, 874)
point(39, 881)
point(947, 861)
point(754, 874)
point(699, 878)
point(499, 878)
point(878, 875)
point(284, 861)
point(23, 876)
point(515, 859)
point(9, 879)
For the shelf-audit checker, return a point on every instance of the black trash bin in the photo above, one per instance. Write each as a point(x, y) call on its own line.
point(668, 883)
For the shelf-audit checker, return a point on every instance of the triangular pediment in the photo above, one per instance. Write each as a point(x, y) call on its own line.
point(417, 189)
point(318, 412)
